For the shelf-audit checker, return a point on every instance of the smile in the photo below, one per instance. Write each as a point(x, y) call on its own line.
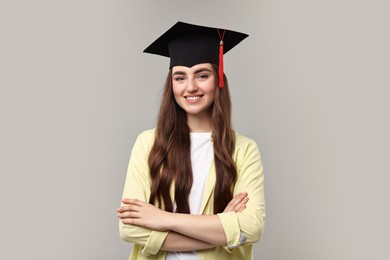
point(193, 98)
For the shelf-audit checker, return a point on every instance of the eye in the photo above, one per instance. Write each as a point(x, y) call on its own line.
point(178, 78)
point(203, 76)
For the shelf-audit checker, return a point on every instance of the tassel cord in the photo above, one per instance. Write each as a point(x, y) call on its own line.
point(221, 65)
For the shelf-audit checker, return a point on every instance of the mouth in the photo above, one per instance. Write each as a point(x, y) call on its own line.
point(193, 98)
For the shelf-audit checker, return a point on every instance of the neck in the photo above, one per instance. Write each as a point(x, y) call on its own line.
point(200, 123)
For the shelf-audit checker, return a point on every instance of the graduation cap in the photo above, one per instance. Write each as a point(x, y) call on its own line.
point(189, 44)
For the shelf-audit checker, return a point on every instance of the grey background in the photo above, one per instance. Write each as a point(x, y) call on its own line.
point(310, 85)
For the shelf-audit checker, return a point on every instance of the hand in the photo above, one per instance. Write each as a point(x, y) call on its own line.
point(139, 213)
point(238, 203)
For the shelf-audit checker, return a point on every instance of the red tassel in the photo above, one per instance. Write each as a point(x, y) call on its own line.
point(221, 69)
point(221, 79)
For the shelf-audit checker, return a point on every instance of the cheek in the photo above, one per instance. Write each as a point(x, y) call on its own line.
point(177, 92)
point(211, 90)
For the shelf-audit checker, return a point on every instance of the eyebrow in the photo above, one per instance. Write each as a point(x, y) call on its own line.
point(196, 71)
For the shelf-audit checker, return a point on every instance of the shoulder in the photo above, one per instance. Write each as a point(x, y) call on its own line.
point(247, 156)
point(147, 135)
point(243, 141)
point(246, 149)
point(145, 139)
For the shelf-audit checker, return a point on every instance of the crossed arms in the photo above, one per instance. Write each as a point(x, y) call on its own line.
point(187, 232)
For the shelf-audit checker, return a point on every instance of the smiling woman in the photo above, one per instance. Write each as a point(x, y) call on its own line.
point(194, 187)
point(194, 90)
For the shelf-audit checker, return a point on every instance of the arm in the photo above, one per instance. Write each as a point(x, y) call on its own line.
point(137, 186)
point(183, 236)
point(246, 227)
point(178, 242)
point(207, 228)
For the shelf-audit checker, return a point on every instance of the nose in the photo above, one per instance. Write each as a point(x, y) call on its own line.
point(192, 86)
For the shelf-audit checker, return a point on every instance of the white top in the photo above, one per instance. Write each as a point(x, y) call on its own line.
point(202, 154)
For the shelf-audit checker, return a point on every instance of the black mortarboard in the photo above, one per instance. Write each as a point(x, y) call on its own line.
point(189, 44)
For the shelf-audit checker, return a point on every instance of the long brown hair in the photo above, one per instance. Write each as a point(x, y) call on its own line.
point(170, 158)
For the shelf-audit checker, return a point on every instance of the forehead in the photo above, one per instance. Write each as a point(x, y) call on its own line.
point(194, 68)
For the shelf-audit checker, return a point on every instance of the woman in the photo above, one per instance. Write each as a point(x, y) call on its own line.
point(194, 187)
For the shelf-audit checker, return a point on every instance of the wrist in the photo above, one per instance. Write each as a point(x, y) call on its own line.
point(169, 221)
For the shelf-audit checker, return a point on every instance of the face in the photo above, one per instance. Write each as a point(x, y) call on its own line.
point(194, 88)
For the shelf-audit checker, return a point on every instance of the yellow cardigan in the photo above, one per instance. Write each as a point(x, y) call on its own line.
point(241, 229)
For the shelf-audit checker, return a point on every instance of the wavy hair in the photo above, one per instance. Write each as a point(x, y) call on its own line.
point(170, 157)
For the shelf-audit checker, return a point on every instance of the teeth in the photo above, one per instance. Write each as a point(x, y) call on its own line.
point(193, 98)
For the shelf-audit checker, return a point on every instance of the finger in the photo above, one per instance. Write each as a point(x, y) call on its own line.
point(242, 208)
point(241, 196)
point(238, 207)
point(129, 221)
point(242, 203)
point(128, 207)
point(230, 206)
point(238, 198)
point(132, 221)
point(128, 214)
point(234, 204)
point(131, 201)
point(245, 200)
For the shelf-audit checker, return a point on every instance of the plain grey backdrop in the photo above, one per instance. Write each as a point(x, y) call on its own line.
point(310, 85)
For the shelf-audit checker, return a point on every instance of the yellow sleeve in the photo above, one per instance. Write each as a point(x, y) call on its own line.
point(137, 186)
point(247, 226)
